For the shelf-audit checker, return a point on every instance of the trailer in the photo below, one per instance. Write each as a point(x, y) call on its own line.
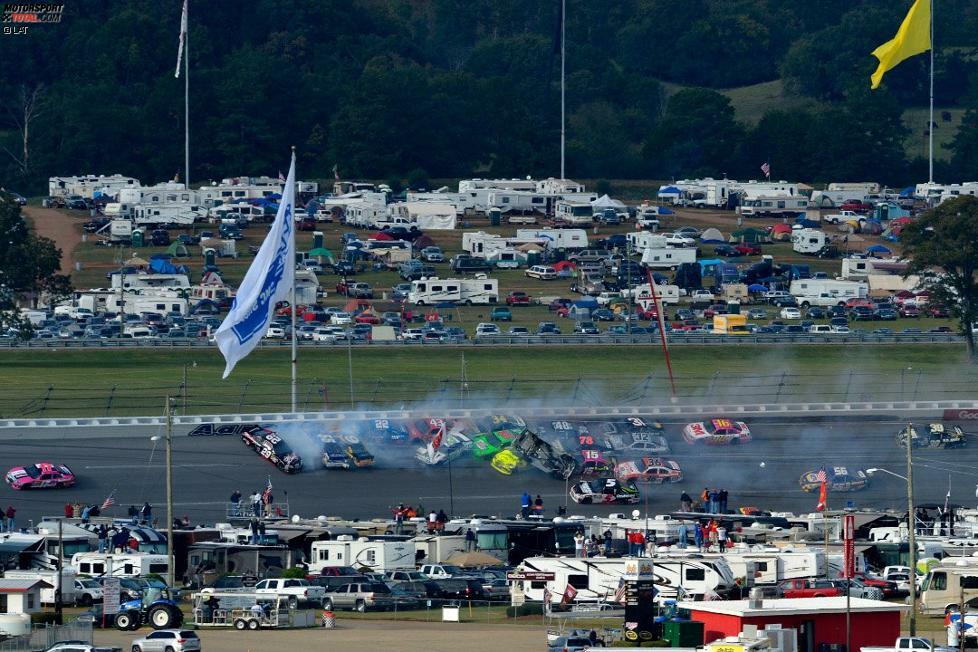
point(520, 201)
point(827, 292)
point(574, 213)
point(641, 240)
point(167, 214)
point(668, 257)
point(375, 555)
point(808, 241)
point(214, 609)
point(109, 564)
point(556, 238)
point(433, 290)
point(87, 185)
point(772, 206)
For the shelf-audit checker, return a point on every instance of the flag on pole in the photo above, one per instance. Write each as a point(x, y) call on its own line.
point(621, 591)
point(268, 281)
point(109, 501)
point(569, 594)
point(183, 36)
point(766, 169)
point(267, 494)
point(823, 497)
point(912, 38)
point(336, 173)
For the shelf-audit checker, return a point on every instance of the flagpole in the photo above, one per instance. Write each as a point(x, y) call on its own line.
point(563, 130)
point(295, 346)
point(930, 125)
point(186, 104)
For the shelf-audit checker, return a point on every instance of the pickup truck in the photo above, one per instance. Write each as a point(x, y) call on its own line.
point(295, 590)
point(909, 644)
point(808, 588)
point(843, 216)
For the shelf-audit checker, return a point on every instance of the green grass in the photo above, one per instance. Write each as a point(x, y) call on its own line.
point(56, 383)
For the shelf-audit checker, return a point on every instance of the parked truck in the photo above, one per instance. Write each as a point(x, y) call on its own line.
point(909, 644)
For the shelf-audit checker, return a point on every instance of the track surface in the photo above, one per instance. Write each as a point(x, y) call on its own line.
point(208, 469)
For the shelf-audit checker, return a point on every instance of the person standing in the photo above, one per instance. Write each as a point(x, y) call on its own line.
point(705, 499)
point(607, 543)
point(723, 501)
point(682, 535)
point(256, 504)
point(432, 521)
point(236, 503)
point(261, 532)
point(639, 543)
point(441, 519)
point(254, 530)
point(650, 543)
point(69, 510)
point(146, 513)
point(526, 502)
point(11, 513)
point(469, 540)
point(133, 513)
point(103, 536)
point(685, 502)
point(399, 519)
point(579, 544)
point(86, 512)
point(538, 506)
point(698, 536)
point(722, 538)
point(714, 501)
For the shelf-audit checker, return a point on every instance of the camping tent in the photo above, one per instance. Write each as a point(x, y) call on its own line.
point(565, 264)
point(380, 235)
point(423, 241)
point(178, 250)
point(751, 235)
point(781, 232)
point(712, 236)
point(604, 201)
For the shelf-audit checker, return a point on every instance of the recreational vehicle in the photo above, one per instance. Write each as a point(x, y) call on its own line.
point(551, 186)
point(772, 206)
point(861, 268)
point(135, 304)
point(99, 564)
point(520, 201)
point(512, 541)
point(826, 292)
point(433, 290)
point(668, 257)
point(556, 238)
point(167, 214)
point(369, 554)
point(808, 241)
point(426, 215)
point(668, 295)
point(641, 240)
point(88, 185)
point(574, 213)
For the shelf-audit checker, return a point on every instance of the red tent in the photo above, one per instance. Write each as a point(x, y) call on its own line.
point(380, 235)
point(422, 242)
point(781, 228)
point(564, 264)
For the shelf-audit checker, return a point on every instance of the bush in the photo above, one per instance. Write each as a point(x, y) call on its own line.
point(417, 179)
point(295, 572)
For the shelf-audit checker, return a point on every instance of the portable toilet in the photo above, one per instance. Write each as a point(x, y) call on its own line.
point(317, 239)
point(210, 256)
point(138, 238)
point(733, 307)
point(495, 217)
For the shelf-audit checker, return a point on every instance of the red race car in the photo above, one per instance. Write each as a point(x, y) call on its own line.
point(43, 475)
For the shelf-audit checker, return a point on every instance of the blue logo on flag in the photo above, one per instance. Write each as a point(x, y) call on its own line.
point(255, 322)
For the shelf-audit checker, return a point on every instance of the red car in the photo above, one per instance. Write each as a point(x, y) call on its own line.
point(748, 249)
point(856, 206)
point(558, 304)
point(367, 318)
point(937, 311)
point(808, 588)
point(43, 475)
point(909, 310)
point(853, 303)
point(518, 299)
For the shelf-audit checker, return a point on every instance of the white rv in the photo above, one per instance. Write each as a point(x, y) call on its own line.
point(462, 201)
point(668, 257)
point(520, 201)
point(576, 213)
point(167, 214)
point(552, 186)
point(479, 243)
point(642, 240)
point(433, 290)
point(808, 241)
point(88, 185)
point(668, 295)
point(826, 292)
point(426, 215)
point(374, 555)
point(861, 268)
point(99, 564)
point(772, 206)
point(597, 578)
point(556, 238)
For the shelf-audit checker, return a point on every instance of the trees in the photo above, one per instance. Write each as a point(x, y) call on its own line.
point(942, 246)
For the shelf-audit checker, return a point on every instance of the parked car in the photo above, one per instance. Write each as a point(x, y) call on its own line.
point(517, 298)
point(360, 596)
point(790, 313)
point(501, 313)
point(483, 329)
point(432, 255)
point(167, 640)
point(542, 272)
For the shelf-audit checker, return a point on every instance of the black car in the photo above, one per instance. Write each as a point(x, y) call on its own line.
point(461, 589)
point(885, 314)
point(273, 448)
point(861, 313)
point(401, 233)
point(77, 204)
point(463, 264)
point(815, 312)
point(785, 302)
point(726, 251)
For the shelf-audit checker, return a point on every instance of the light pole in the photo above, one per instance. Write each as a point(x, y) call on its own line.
point(184, 390)
point(168, 416)
point(912, 532)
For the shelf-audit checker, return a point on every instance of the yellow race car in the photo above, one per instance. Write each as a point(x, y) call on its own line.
point(506, 462)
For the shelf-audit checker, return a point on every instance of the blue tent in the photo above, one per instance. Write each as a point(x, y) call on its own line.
point(757, 287)
point(878, 249)
point(164, 266)
point(587, 302)
point(907, 193)
point(665, 211)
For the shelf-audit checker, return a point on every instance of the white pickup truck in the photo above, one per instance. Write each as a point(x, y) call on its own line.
point(909, 644)
point(844, 216)
point(294, 590)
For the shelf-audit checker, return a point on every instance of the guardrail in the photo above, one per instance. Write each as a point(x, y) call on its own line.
point(515, 340)
point(184, 425)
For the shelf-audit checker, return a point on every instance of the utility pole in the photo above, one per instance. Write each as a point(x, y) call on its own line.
point(912, 522)
point(58, 605)
point(168, 413)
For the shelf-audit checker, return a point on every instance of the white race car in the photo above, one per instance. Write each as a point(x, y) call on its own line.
point(717, 431)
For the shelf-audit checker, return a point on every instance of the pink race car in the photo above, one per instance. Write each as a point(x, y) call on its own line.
point(42, 475)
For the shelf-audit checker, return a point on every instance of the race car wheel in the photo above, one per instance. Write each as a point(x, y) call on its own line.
point(161, 618)
point(240, 624)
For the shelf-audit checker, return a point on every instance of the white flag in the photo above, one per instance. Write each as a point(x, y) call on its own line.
point(183, 36)
point(268, 281)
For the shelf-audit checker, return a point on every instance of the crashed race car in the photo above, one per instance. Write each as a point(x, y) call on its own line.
point(935, 435)
point(507, 462)
point(717, 432)
point(569, 434)
point(451, 447)
point(595, 465)
point(387, 430)
point(273, 448)
point(358, 453)
point(487, 444)
point(425, 430)
point(334, 453)
point(607, 491)
point(636, 443)
point(837, 479)
point(650, 469)
point(43, 475)
point(543, 456)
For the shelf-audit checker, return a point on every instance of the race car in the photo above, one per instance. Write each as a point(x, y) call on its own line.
point(387, 430)
point(424, 430)
point(629, 426)
point(506, 462)
point(650, 469)
point(273, 448)
point(837, 479)
point(717, 431)
point(542, 455)
point(357, 452)
point(637, 443)
point(451, 447)
point(608, 491)
point(936, 435)
point(43, 475)
point(334, 453)
point(568, 433)
point(488, 444)
point(500, 422)
point(594, 464)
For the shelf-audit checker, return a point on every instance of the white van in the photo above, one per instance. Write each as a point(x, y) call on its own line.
point(542, 272)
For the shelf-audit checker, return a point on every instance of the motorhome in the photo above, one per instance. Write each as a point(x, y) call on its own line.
point(99, 564)
point(426, 215)
point(641, 240)
point(667, 294)
point(557, 238)
point(249, 212)
point(142, 280)
point(954, 190)
point(512, 541)
point(88, 185)
point(574, 213)
point(596, 579)
point(552, 186)
point(109, 300)
point(839, 193)
point(375, 555)
point(462, 201)
point(348, 187)
point(519, 201)
point(772, 206)
point(827, 292)
point(365, 214)
point(477, 191)
point(229, 558)
point(765, 565)
point(433, 290)
point(668, 257)
point(945, 587)
point(167, 214)
point(808, 241)
point(753, 189)
point(168, 192)
point(864, 267)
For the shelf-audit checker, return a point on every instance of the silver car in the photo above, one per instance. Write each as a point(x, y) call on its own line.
point(167, 640)
point(360, 596)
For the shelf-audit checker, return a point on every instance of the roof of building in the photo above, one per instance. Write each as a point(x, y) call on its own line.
point(22, 586)
point(791, 606)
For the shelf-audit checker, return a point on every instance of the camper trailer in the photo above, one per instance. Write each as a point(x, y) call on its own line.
point(167, 214)
point(99, 564)
point(556, 238)
point(370, 554)
point(426, 215)
point(827, 292)
point(433, 290)
point(668, 295)
point(772, 206)
point(520, 201)
point(87, 185)
point(642, 240)
point(808, 241)
point(668, 257)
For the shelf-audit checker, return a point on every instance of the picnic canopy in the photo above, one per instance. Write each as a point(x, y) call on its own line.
point(320, 252)
point(604, 201)
point(136, 261)
point(531, 247)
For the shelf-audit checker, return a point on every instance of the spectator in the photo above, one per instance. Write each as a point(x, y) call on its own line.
point(579, 544)
point(432, 521)
point(236, 503)
point(607, 543)
point(538, 506)
point(399, 518)
point(268, 500)
point(254, 530)
point(722, 538)
point(261, 532)
point(86, 512)
point(526, 502)
point(256, 504)
point(76, 510)
point(723, 501)
point(698, 536)
point(593, 546)
point(11, 513)
point(714, 501)
point(103, 536)
point(639, 543)
point(682, 535)
point(133, 514)
point(685, 502)
point(441, 519)
point(186, 521)
point(705, 499)
point(469, 540)
point(146, 513)
point(69, 510)
point(650, 543)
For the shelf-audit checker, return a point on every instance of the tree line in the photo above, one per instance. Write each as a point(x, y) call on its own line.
point(453, 88)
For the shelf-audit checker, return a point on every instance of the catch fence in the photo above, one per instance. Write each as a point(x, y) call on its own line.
point(43, 637)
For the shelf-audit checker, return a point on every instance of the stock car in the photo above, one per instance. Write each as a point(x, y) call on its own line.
point(837, 479)
point(388, 430)
point(543, 455)
point(638, 443)
point(936, 435)
point(334, 453)
point(595, 464)
point(650, 469)
point(505, 424)
point(506, 462)
point(487, 444)
point(452, 446)
point(358, 453)
point(42, 475)
point(717, 431)
point(608, 491)
point(425, 430)
point(273, 448)
point(570, 434)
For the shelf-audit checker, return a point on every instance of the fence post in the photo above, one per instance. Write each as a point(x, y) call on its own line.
point(244, 390)
point(47, 397)
point(108, 404)
point(777, 399)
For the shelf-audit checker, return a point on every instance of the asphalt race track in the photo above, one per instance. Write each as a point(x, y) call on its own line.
point(208, 469)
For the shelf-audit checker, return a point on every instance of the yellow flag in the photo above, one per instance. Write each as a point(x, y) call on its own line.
point(912, 38)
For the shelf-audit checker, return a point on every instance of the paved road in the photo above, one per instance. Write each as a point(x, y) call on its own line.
point(208, 469)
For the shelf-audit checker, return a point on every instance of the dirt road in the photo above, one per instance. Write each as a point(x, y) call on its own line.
point(354, 636)
point(65, 231)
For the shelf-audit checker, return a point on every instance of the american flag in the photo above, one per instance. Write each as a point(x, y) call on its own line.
point(109, 501)
point(620, 591)
point(766, 169)
point(183, 37)
point(267, 494)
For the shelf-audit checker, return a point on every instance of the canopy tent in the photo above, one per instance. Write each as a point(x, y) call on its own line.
point(164, 266)
point(757, 287)
point(320, 252)
point(532, 247)
point(781, 232)
point(878, 249)
point(669, 192)
point(564, 264)
point(472, 559)
point(604, 201)
point(136, 261)
point(751, 235)
point(907, 193)
point(712, 236)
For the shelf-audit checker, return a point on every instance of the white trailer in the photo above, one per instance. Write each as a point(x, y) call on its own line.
point(642, 240)
point(167, 214)
point(574, 212)
point(462, 201)
point(596, 579)
point(519, 201)
point(808, 241)
point(668, 257)
point(87, 185)
point(772, 206)
point(374, 555)
point(766, 566)
point(434, 290)
point(135, 304)
point(427, 215)
point(826, 292)
point(557, 238)
point(834, 198)
point(668, 295)
point(99, 564)
point(480, 243)
point(68, 575)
